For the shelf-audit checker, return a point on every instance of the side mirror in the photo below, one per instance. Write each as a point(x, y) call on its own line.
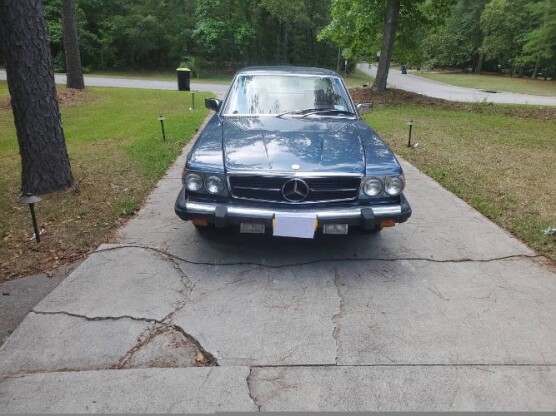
point(364, 108)
point(213, 104)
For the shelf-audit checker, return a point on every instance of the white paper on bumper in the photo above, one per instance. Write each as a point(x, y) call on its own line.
point(298, 225)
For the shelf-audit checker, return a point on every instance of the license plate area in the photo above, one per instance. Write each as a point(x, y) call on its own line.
point(296, 225)
point(251, 228)
point(338, 229)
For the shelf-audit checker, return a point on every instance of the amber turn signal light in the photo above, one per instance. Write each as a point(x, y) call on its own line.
point(387, 223)
point(200, 222)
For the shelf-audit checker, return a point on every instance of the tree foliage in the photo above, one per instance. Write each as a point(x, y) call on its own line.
point(540, 43)
point(357, 26)
point(514, 35)
point(518, 36)
point(457, 41)
point(206, 34)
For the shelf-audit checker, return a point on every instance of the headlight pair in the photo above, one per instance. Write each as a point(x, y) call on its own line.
point(392, 185)
point(212, 184)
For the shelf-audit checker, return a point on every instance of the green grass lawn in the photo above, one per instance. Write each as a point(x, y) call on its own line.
point(357, 79)
point(502, 165)
point(493, 82)
point(115, 145)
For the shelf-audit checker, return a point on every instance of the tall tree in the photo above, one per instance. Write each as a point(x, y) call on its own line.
point(457, 42)
point(505, 24)
point(204, 34)
point(44, 158)
point(361, 27)
point(540, 44)
point(388, 39)
point(74, 70)
point(355, 26)
point(287, 14)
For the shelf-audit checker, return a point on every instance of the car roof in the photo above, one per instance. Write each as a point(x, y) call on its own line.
point(289, 70)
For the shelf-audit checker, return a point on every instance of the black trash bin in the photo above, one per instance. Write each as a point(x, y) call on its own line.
point(404, 69)
point(184, 78)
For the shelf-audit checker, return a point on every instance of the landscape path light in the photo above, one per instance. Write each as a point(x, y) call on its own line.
point(410, 124)
point(161, 119)
point(31, 200)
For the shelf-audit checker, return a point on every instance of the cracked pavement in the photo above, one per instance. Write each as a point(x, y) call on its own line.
point(445, 312)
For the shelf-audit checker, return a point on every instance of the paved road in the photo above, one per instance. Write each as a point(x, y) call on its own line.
point(445, 312)
point(450, 92)
point(90, 81)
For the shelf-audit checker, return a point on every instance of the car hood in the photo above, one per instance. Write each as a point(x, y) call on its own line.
point(276, 144)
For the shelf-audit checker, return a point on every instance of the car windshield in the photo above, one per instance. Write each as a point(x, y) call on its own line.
point(287, 94)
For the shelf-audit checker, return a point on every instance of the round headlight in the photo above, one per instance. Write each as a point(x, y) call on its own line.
point(372, 186)
point(193, 182)
point(394, 185)
point(214, 184)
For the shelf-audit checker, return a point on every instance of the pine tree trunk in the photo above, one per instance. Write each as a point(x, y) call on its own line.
point(74, 70)
point(44, 158)
point(388, 40)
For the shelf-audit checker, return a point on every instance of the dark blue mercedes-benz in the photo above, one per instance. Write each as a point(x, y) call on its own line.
point(287, 152)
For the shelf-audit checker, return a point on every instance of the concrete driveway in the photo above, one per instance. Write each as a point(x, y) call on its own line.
point(424, 86)
point(445, 312)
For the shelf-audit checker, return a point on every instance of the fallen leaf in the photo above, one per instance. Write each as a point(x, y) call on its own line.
point(200, 358)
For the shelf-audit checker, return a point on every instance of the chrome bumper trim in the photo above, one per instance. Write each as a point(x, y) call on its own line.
point(207, 208)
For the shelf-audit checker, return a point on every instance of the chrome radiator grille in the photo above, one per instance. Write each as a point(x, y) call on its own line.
point(274, 188)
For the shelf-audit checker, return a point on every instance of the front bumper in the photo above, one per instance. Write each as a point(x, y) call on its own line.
point(223, 214)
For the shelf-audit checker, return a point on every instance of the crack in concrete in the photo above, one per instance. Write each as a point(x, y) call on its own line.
point(338, 315)
point(97, 318)
point(166, 325)
point(318, 261)
point(277, 379)
point(207, 359)
point(159, 328)
point(212, 361)
point(188, 285)
point(12, 376)
point(249, 380)
point(252, 396)
point(478, 365)
point(144, 339)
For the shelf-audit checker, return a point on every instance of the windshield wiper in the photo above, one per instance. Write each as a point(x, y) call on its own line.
point(308, 111)
point(298, 112)
point(328, 111)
